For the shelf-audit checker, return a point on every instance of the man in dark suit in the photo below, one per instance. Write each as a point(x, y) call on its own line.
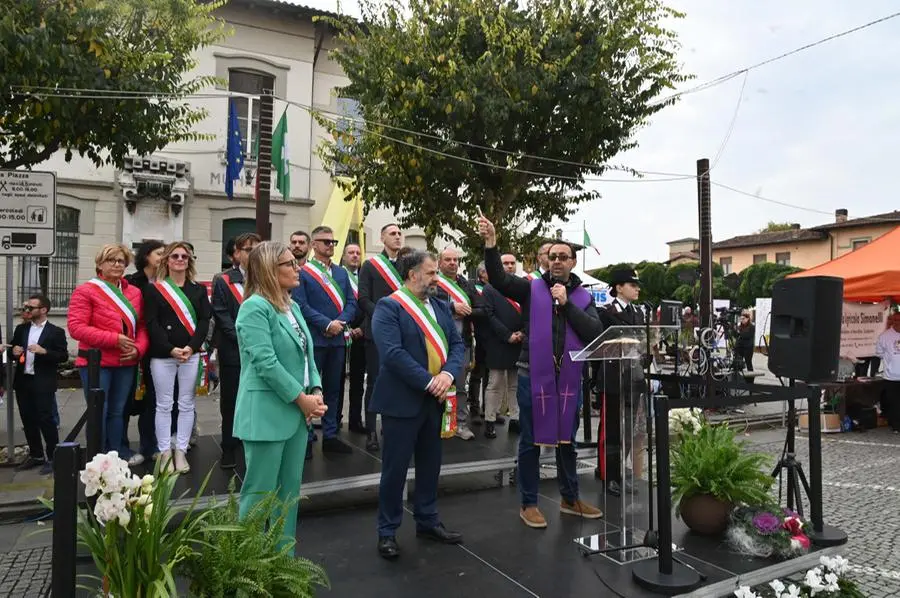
point(351, 261)
point(467, 306)
point(328, 305)
point(503, 344)
point(38, 347)
point(622, 384)
point(421, 361)
point(228, 294)
point(378, 278)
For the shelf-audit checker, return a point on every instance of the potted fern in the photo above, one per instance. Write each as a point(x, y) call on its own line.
point(243, 557)
point(712, 472)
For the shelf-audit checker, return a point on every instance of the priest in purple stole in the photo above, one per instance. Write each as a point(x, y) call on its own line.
point(559, 317)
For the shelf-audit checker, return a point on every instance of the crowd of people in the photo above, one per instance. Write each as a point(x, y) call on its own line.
point(434, 353)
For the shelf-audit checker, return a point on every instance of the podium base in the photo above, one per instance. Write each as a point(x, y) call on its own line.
point(829, 536)
point(682, 579)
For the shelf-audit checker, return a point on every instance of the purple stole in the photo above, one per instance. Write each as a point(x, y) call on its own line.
point(554, 398)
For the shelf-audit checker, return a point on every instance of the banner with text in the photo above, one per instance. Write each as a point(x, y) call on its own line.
point(861, 324)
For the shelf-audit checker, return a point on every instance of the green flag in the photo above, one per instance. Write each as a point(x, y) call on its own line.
point(281, 158)
point(587, 242)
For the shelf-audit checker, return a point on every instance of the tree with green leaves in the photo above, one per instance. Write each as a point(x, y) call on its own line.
point(757, 281)
point(62, 58)
point(776, 227)
point(505, 106)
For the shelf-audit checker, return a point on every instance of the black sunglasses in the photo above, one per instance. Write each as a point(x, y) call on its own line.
point(332, 242)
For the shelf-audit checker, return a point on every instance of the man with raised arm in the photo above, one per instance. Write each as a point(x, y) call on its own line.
point(558, 317)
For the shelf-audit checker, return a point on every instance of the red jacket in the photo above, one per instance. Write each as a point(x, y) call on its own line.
point(96, 324)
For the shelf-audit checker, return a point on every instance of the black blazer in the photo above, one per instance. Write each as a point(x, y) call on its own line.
point(477, 314)
point(503, 320)
point(53, 339)
point(166, 330)
point(225, 310)
point(372, 288)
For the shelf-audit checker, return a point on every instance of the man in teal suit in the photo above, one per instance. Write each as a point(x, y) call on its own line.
point(279, 389)
point(421, 355)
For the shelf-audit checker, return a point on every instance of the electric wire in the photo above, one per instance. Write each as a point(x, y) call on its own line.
point(730, 129)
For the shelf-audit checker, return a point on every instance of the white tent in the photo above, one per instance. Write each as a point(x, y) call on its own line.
point(589, 281)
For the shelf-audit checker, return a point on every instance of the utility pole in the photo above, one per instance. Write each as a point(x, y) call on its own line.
point(704, 210)
point(264, 165)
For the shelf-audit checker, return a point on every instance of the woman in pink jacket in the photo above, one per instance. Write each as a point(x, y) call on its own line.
point(106, 313)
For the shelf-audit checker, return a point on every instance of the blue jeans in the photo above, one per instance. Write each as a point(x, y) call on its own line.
point(528, 469)
point(117, 383)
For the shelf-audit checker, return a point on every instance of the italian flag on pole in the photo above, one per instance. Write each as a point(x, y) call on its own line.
point(281, 157)
point(587, 242)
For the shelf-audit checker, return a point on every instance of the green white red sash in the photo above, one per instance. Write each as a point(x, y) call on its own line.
point(436, 345)
point(321, 274)
point(179, 303)
point(114, 296)
point(449, 424)
point(479, 288)
point(530, 276)
point(515, 305)
point(354, 282)
point(387, 270)
point(457, 295)
point(236, 288)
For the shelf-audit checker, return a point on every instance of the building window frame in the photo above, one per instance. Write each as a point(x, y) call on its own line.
point(726, 263)
point(760, 258)
point(248, 116)
point(54, 276)
point(859, 242)
point(783, 258)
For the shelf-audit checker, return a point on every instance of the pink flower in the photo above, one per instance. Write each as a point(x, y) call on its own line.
point(802, 540)
point(793, 525)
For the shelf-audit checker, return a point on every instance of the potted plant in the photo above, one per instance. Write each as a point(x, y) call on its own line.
point(244, 557)
point(712, 472)
point(767, 532)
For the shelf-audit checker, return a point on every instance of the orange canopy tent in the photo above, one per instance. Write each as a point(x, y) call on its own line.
point(871, 273)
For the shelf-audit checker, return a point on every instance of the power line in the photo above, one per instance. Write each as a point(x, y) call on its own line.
point(723, 78)
point(730, 130)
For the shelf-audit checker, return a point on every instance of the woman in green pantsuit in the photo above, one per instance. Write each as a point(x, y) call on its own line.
point(280, 390)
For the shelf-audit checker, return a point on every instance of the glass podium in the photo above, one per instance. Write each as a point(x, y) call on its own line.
point(619, 359)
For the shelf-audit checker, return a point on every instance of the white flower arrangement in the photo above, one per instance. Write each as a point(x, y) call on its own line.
point(685, 420)
point(117, 488)
point(825, 581)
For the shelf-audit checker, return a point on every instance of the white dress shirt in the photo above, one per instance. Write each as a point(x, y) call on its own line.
point(34, 334)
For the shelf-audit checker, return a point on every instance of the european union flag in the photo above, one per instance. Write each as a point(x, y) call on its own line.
point(234, 152)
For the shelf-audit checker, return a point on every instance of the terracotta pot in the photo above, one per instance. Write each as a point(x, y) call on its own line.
point(705, 514)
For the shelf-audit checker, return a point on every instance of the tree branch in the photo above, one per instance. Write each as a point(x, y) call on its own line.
point(31, 158)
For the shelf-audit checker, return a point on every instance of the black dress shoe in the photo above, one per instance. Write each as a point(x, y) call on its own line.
point(489, 431)
point(514, 427)
point(358, 428)
point(372, 443)
point(30, 463)
point(388, 547)
point(439, 533)
point(227, 461)
point(613, 488)
point(334, 445)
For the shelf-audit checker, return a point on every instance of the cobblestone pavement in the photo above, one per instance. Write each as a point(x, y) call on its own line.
point(25, 573)
point(861, 496)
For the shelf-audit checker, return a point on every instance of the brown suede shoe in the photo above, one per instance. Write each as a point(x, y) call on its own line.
point(533, 517)
point(580, 509)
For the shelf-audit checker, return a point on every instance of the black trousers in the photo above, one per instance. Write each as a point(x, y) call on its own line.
point(372, 374)
point(890, 403)
point(36, 411)
point(229, 376)
point(613, 450)
point(357, 376)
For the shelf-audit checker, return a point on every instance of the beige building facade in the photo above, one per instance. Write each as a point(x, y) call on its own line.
point(179, 192)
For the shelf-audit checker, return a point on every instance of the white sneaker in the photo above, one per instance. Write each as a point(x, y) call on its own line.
point(166, 462)
point(465, 433)
point(181, 464)
point(136, 459)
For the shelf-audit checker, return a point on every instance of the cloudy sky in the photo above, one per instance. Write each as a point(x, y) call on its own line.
point(819, 129)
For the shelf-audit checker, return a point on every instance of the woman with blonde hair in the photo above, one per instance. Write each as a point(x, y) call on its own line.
point(106, 313)
point(178, 314)
point(280, 390)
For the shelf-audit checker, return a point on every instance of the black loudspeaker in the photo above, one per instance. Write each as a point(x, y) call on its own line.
point(670, 313)
point(805, 328)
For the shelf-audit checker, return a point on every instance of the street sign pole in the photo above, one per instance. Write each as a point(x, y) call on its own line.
point(27, 229)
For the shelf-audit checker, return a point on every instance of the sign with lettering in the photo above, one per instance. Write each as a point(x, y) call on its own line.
point(27, 213)
point(861, 325)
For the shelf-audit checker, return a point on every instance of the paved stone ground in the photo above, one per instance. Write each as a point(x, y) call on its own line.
point(25, 573)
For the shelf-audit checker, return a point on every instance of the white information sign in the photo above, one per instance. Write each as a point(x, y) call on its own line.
point(861, 325)
point(27, 213)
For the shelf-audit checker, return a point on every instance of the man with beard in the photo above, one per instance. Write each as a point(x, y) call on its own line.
point(351, 261)
point(378, 278)
point(299, 246)
point(543, 262)
point(467, 306)
point(558, 317)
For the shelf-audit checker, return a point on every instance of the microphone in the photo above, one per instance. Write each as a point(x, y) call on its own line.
point(553, 282)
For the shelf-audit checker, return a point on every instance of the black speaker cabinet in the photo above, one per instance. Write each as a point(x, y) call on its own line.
point(805, 328)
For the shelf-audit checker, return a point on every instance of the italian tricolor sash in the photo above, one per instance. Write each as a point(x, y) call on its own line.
point(113, 295)
point(457, 295)
point(479, 288)
point(354, 282)
point(387, 271)
point(179, 303)
point(236, 288)
point(320, 274)
point(530, 276)
point(515, 305)
point(436, 345)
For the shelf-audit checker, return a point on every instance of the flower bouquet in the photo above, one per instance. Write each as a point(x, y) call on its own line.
point(685, 421)
point(828, 580)
point(131, 532)
point(767, 532)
